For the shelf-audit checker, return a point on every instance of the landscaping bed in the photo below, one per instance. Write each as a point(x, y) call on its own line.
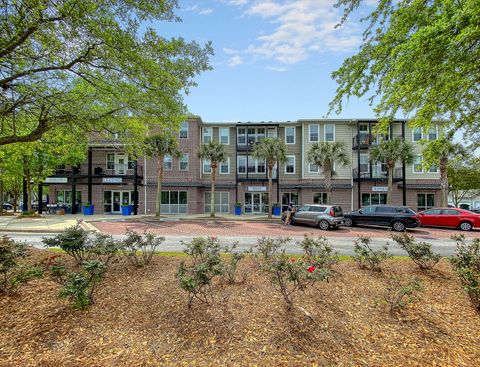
point(140, 318)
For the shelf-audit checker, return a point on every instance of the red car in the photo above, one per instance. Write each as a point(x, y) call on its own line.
point(449, 217)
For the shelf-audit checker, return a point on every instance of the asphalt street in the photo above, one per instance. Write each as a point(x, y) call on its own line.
point(344, 246)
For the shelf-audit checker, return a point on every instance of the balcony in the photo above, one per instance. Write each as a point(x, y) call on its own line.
point(376, 174)
point(365, 141)
point(99, 170)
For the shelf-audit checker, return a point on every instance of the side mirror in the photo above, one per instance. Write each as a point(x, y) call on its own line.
point(360, 211)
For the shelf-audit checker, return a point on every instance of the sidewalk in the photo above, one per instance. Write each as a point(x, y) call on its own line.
point(51, 223)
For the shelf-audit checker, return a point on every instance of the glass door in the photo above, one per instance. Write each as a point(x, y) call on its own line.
point(256, 203)
point(120, 164)
point(116, 202)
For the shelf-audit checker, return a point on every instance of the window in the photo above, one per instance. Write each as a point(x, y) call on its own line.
point(131, 162)
point(313, 134)
point(290, 135)
point(287, 198)
point(184, 130)
point(184, 162)
point(425, 201)
point(224, 133)
point(207, 135)
point(364, 163)
point(290, 164)
point(241, 164)
point(432, 133)
point(329, 132)
point(253, 165)
point(417, 164)
point(271, 132)
point(221, 201)
point(368, 209)
point(433, 212)
point(385, 209)
point(174, 202)
point(313, 168)
point(65, 197)
point(110, 160)
point(451, 212)
point(207, 168)
point(320, 198)
point(167, 163)
point(417, 134)
point(433, 168)
point(241, 136)
point(373, 199)
point(225, 167)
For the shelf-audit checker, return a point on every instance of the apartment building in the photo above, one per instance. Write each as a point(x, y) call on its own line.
point(111, 178)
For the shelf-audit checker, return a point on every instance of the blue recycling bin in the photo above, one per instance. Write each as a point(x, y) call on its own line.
point(238, 210)
point(88, 209)
point(277, 210)
point(127, 209)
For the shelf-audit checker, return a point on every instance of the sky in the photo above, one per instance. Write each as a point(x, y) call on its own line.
point(273, 58)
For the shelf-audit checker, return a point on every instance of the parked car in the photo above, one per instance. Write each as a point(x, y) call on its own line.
point(322, 216)
point(7, 206)
point(476, 210)
point(399, 218)
point(450, 217)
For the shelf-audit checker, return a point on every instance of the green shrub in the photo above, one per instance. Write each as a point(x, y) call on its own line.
point(368, 258)
point(268, 247)
point(79, 286)
point(230, 265)
point(319, 252)
point(73, 240)
point(466, 263)
point(12, 273)
point(139, 249)
point(420, 252)
point(398, 293)
point(204, 265)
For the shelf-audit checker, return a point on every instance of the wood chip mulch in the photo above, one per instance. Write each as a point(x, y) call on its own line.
point(140, 318)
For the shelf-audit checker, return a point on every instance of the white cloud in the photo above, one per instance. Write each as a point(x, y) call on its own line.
point(235, 61)
point(230, 51)
point(237, 2)
point(301, 28)
point(198, 10)
point(278, 69)
point(205, 11)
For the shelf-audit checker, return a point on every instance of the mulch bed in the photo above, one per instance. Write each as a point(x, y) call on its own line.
point(140, 318)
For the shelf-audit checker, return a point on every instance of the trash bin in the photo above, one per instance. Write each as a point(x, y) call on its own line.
point(238, 210)
point(88, 209)
point(276, 210)
point(127, 209)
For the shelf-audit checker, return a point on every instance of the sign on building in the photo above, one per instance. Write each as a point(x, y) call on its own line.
point(111, 180)
point(380, 188)
point(257, 188)
point(56, 180)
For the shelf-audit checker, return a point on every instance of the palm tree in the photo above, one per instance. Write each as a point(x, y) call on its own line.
point(325, 155)
point(273, 151)
point(391, 152)
point(215, 153)
point(160, 146)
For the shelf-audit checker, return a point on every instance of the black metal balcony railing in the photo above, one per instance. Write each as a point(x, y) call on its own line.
point(377, 174)
point(364, 141)
point(100, 170)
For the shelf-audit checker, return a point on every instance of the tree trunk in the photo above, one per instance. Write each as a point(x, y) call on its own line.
point(270, 206)
point(328, 185)
point(1, 194)
point(29, 194)
point(212, 196)
point(443, 183)
point(390, 184)
point(159, 186)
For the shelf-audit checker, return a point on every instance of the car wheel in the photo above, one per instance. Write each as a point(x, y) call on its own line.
point(349, 222)
point(398, 226)
point(465, 226)
point(323, 224)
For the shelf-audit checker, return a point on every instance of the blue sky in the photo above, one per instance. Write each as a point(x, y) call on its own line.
point(273, 58)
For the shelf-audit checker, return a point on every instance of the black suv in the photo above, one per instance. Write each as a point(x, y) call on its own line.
point(398, 218)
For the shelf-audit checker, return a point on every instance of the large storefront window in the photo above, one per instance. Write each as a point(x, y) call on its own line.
point(114, 199)
point(320, 198)
point(256, 202)
point(425, 201)
point(373, 199)
point(287, 198)
point(221, 202)
point(64, 197)
point(174, 202)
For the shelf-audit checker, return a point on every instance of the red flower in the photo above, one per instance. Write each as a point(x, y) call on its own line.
point(213, 238)
point(292, 260)
point(311, 269)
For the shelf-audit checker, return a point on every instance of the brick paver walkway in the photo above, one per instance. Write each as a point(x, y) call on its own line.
point(256, 229)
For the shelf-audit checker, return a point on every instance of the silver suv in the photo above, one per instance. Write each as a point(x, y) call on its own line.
point(323, 216)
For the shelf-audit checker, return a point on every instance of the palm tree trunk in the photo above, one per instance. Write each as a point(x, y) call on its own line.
point(390, 184)
point(443, 183)
point(328, 185)
point(212, 196)
point(270, 201)
point(159, 186)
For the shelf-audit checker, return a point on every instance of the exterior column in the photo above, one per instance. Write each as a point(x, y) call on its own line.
point(359, 194)
point(90, 171)
point(40, 201)
point(404, 170)
point(135, 188)
point(25, 195)
point(74, 192)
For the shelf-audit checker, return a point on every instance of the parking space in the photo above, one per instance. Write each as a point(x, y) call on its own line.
point(228, 228)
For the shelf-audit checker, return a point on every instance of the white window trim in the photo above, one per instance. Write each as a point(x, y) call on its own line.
point(179, 133)
point(274, 129)
point(368, 162)
point(220, 135)
point(167, 157)
point(310, 166)
point(180, 163)
point(436, 133)
point(294, 135)
point(204, 163)
point(204, 134)
point(413, 134)
point(228, 165)
point(244, 135)
point(325, 132)
point(309, 135)
point(238, 164)
point(421, 163)
point(294, 165)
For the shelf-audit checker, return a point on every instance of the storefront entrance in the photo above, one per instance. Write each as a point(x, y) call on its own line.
point(113, 200)
point(256, 202)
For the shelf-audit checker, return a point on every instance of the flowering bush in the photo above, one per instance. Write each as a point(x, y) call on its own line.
point(319, 252)
point(205, 264)
point(12, 273)
point(366, 257)
point(140, 250)
point(420, 252)
point(466, 262)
